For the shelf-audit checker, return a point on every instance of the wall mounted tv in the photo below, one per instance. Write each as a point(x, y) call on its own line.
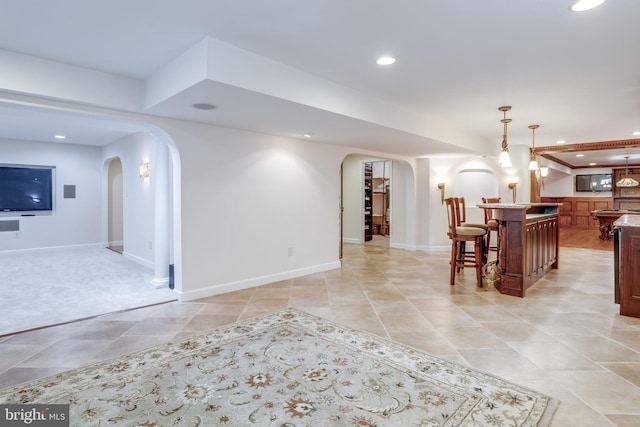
point(25, 189)
point(594, 183)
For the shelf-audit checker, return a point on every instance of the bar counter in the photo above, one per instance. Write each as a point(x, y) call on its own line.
point(527, 243)
point(627, 269)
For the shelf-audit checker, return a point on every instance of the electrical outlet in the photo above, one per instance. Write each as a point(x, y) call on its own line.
point(150, 244)
point(17, 235)
point(290, 251)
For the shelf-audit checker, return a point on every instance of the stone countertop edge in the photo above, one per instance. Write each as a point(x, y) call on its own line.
point(514, 205)
point(627, 220)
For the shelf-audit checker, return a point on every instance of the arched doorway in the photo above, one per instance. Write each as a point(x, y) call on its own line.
point(395, 205)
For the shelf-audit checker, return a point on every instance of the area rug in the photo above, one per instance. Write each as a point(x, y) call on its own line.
point(286, 369)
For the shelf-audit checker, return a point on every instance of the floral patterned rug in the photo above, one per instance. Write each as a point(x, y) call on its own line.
point(286, 369)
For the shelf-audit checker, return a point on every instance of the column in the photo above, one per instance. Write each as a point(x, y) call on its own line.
point(160, 178)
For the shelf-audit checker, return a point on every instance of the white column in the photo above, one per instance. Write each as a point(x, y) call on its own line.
point(160, 179)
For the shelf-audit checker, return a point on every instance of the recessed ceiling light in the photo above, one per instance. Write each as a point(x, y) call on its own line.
point(60, 137)
point(385, 60)
point(636, 133)
point(204, 106)
point(582, 5)
point(562, 141)
point(579, 155)
point(307, 135)
point(592, 164)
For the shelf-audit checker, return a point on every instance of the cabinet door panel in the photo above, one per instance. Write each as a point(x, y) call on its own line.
point(630, 272)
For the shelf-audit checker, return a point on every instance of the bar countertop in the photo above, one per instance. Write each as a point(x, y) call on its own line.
point(627, 220)
point(515, 205)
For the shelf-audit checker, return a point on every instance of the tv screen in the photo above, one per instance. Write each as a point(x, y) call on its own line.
point(594, 183)
point(26, 189)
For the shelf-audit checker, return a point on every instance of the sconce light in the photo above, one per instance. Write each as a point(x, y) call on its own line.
point(544, 171)
point(144, 170)
point(512, 186)
point(441, 188)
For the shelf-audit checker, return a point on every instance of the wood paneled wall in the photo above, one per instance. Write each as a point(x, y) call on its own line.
point(626, 198)
point(576, 211)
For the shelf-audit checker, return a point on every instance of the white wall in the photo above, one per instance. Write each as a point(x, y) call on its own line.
point(352, 199)
point(403, 206)
point(74, 221)
point(138, 195)
point(491, 183)
point(248, 201)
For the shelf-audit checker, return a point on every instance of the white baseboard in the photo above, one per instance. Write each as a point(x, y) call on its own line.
point(437, 249)
point(138, 260)
point(255, 281)
point(48, 248)
point(144, 262)
point(403, 246)
point(351, 240)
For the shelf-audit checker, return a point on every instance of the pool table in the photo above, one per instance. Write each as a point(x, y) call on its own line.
point(606, 217)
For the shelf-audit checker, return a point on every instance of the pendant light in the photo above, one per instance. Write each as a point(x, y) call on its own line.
point(533, 164)
point(627, 181)
point(505, 158)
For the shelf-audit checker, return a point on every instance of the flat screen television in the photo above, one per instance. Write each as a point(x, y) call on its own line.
point(594, 183)
point(26, 188)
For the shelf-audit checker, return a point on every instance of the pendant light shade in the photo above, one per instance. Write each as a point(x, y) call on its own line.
point(627, 181)
point(533, 164)
point(505, 158)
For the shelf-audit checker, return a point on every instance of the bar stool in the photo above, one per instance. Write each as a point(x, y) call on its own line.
point(462, 222)
point(459, 235)
point(492, 224)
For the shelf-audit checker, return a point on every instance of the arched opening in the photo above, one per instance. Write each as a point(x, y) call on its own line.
point(382, 208)
point(112, 207)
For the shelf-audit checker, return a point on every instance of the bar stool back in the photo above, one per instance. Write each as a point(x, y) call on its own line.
point(492, 224)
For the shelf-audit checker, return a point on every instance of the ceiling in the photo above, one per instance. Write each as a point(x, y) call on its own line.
point(577, 75)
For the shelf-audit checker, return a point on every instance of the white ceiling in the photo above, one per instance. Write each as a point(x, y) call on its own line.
point(577, 75)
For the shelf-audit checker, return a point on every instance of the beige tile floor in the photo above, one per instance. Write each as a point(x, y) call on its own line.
point(564, 338)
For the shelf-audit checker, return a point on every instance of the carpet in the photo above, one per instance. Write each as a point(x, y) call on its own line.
point(286, 369)
point(68, 284)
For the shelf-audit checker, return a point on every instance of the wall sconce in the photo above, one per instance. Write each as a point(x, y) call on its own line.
point(441, 188)
point(144, 170)
point(512, 186)
point(544, 171)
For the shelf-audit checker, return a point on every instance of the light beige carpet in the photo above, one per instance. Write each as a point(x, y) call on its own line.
point(286, 369)
point(53, 286)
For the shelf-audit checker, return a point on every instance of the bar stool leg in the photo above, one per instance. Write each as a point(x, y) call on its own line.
point(455, 247)
point(479, 256)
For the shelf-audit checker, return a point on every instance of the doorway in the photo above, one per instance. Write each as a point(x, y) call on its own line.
point(115, 208)
point(377, 210)
point(386, 191)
